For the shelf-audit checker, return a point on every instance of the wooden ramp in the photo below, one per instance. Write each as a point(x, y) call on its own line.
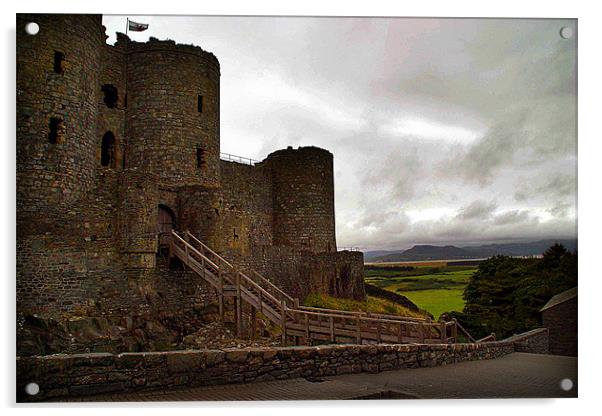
point(299, 323)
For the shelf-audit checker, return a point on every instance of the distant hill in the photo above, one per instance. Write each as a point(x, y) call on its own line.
point(426, 252)
point(430, 252)
point(520, 249)
point(370, 255)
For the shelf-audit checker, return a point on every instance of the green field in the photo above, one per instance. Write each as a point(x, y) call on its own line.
point(435, 289)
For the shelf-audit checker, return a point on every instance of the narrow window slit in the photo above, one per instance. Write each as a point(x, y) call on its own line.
point(55, 133)
point(59, 59)
point(107, 150)
point(200, 104)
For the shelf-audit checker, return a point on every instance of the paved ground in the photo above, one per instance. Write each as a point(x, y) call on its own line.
point(517, 375)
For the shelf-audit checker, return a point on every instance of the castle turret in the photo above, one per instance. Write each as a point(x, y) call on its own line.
point(172, 121)
point(57, 94)
point(303, 198)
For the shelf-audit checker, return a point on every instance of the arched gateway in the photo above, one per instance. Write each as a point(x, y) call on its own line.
point(166, 221)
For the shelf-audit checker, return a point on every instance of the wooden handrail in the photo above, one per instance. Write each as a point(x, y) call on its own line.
point(367, 319)
point(264, 293)
point(311, 308)
point(245, 278)
point(394, 317)
point(490, 337)
point(464, 331)
point(361, 313)
point(226, 262)
point(190, 247)
point(286, 311)
point(353, 325)
point(276, 288)
point(231, 267)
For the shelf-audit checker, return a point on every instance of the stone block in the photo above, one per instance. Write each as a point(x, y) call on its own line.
point(214, 357)
point(90, 390)
point(237, 356)
point(129, 360)
point(183, 361)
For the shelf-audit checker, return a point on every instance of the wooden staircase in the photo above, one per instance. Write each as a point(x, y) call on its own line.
point(299, 323)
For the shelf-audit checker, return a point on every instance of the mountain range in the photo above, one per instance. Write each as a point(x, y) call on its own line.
point(430, 252)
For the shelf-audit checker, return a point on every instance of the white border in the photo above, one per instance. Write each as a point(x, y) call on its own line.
point(590, 209)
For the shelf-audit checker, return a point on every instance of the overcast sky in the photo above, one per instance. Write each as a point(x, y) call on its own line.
point(455, 131)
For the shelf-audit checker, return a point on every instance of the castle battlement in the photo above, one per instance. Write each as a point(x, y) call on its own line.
point(127, 46)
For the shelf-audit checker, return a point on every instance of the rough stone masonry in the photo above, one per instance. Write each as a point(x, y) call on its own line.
point(116, 146)
point(90, 374)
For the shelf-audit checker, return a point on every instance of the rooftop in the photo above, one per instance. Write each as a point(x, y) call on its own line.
point(560, 298)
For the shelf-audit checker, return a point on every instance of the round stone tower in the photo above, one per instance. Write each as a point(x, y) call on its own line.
point(172, 121)
point(57, 92)
point(303, 198)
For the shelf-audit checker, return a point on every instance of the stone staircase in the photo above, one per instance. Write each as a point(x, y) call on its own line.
point(300, 324)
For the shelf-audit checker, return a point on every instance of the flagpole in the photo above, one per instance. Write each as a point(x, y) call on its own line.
point(127, 25)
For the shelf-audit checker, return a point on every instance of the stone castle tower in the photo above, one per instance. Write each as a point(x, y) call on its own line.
point(116, 145)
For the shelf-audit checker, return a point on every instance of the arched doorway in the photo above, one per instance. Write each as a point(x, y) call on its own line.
point(166, 221)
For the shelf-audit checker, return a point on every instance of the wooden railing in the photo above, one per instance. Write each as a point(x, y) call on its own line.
point(464, 331)
point(365, 314)
point(490, 337)
point(301, 322)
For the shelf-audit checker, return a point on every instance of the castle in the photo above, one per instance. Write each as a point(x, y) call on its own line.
point(118, 145)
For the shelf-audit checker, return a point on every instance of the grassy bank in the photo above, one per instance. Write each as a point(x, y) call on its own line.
point(372, 304)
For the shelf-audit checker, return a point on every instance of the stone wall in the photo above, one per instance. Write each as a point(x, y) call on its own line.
point(54, 174)
point(303, 189)
point(561, 320)
point(60, 266)
point(535, 341)
point(89, 374)
point(112, 72)
point(245, 215)
point(99, 260)
point(246, 224)
point(137, 202)
point(299, 273)
point(164, 125)
point(139, 311)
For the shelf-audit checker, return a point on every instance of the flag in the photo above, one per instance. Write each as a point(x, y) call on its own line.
point(137, 27)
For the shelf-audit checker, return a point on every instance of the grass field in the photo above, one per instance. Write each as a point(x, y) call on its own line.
point(435, 288)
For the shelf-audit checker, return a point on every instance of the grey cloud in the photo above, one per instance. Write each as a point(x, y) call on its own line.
point(396, 173)
point(477, 210)
point(481, 162)
point(504, 228)
point(513, 217)
point(560, 185)
point(556, 186)
point(338, 83)
point(560, 210)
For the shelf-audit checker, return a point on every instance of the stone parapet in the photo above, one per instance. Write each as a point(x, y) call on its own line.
point(535, 341)
point(97, 373)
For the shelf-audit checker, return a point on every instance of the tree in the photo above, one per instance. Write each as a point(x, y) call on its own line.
point(505, 295)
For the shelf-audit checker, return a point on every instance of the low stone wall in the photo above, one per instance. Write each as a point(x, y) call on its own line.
point(72, 375)
point(535, 341)
point(96, 373)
